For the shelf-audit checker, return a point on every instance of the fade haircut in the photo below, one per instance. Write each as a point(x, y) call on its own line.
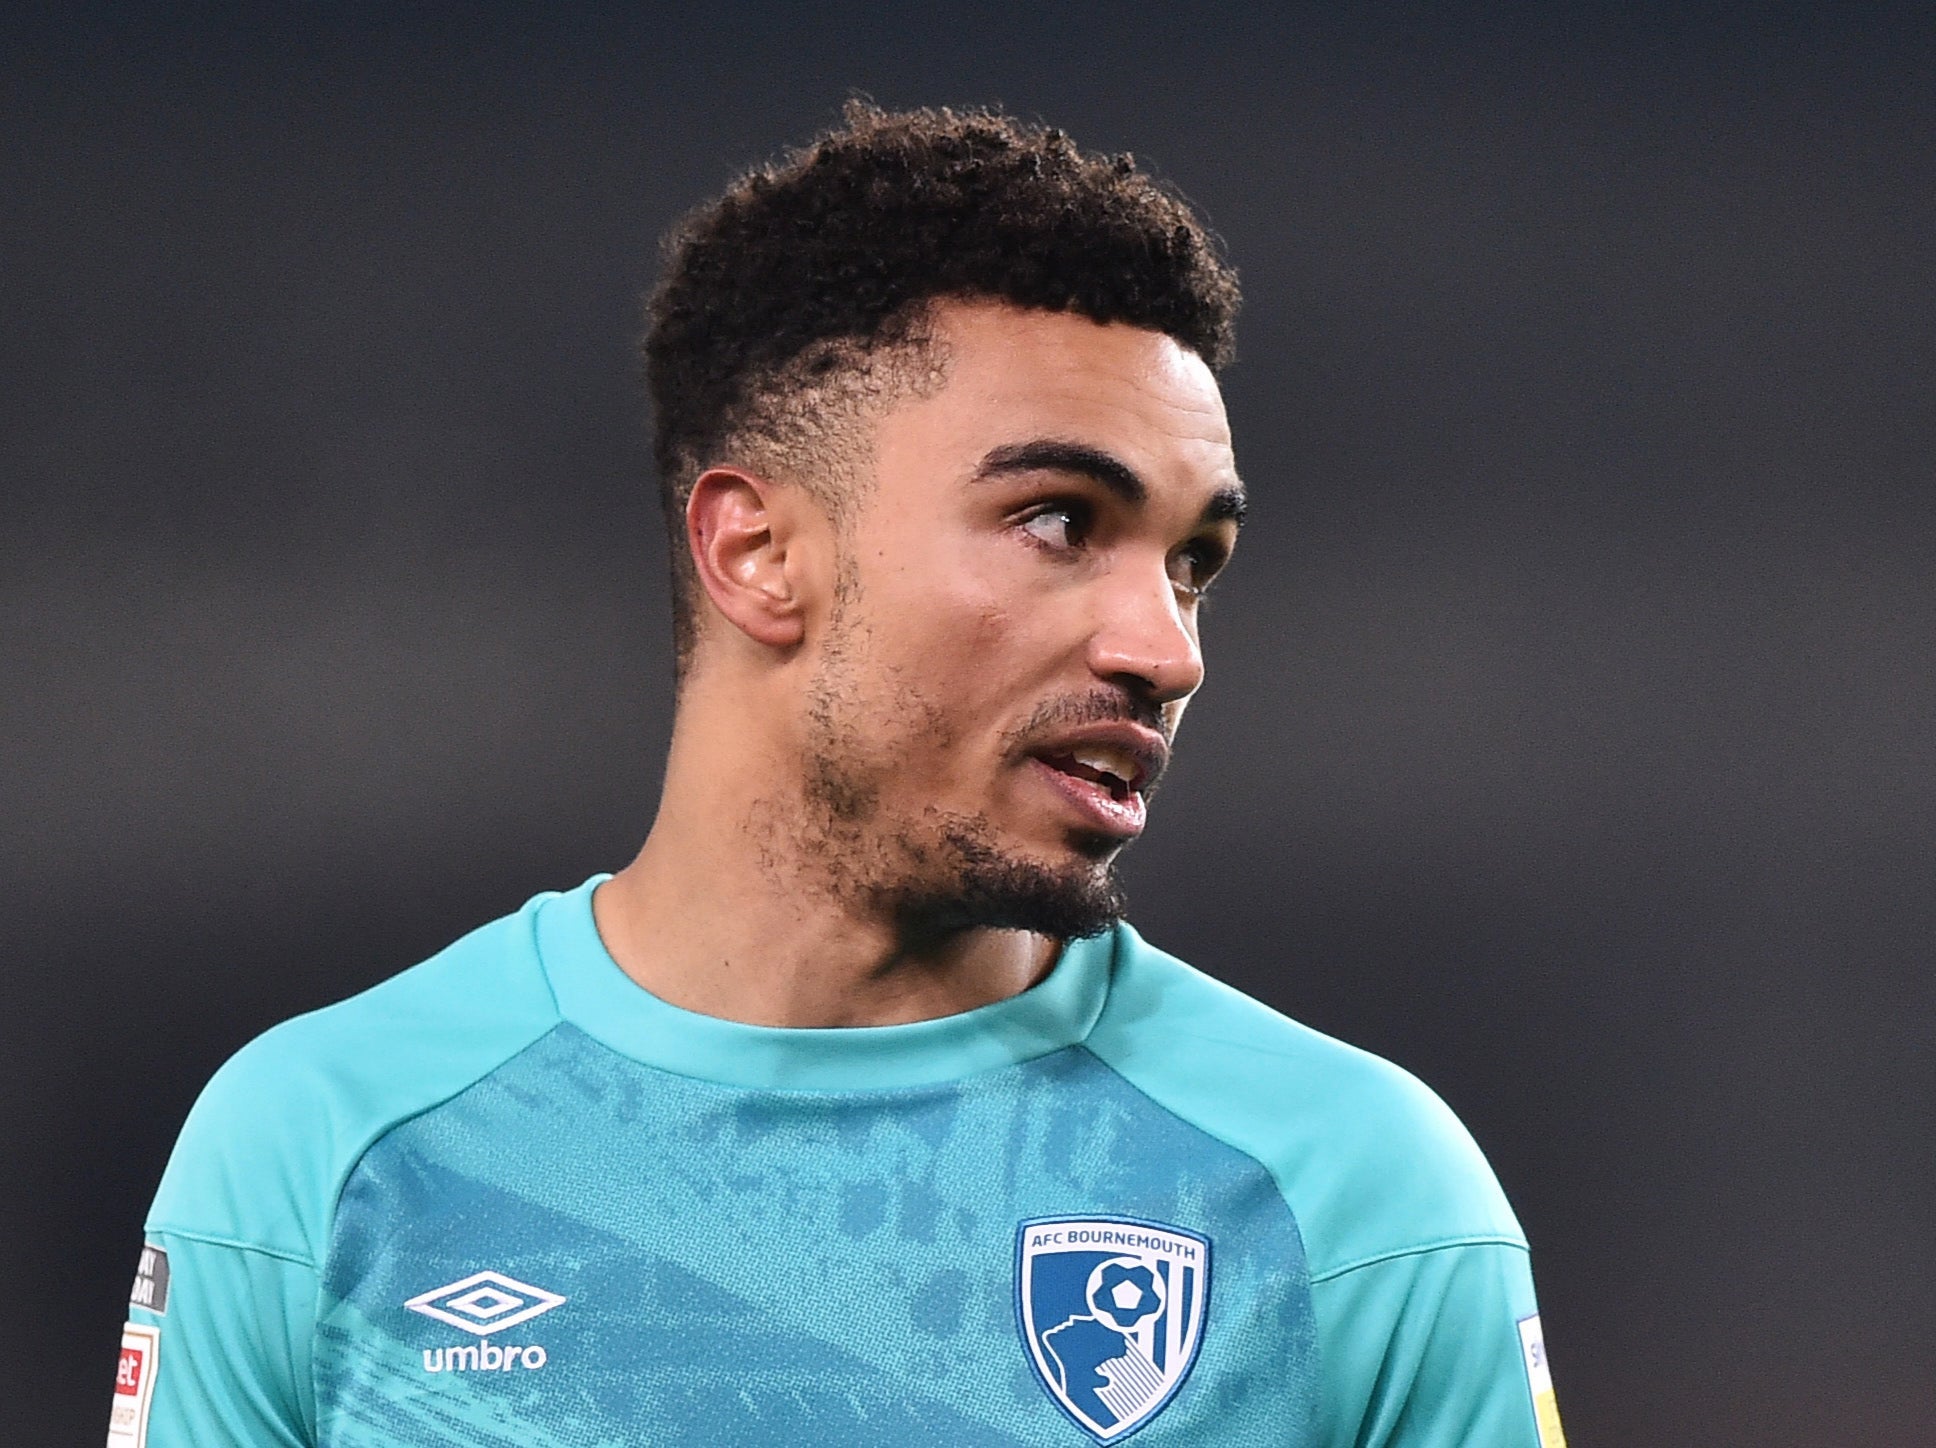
point(799, 299)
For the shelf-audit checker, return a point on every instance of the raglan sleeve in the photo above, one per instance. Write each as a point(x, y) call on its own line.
point(1437, 1348)
point(221, 1321)
point(223, 1357)
point(1422, 1285)
point(1420, 1291)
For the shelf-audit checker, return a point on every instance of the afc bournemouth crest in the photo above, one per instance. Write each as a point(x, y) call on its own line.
point(1111, 1313)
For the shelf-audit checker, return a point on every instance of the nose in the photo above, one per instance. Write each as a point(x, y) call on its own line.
point(1143, 641)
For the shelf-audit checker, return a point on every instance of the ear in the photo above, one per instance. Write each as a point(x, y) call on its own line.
point(739, 529)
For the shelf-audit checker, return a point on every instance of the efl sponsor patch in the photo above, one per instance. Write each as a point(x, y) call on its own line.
point(151, 1280)
point(134, 1386)
point(1111, 1312)
point(1539, 1378)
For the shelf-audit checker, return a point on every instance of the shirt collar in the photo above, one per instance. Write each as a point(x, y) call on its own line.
point(596, 996)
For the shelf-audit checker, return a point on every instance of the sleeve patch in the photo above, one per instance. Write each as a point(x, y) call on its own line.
point(1539, 1378)
point(151, 1280)
point(134, 1386)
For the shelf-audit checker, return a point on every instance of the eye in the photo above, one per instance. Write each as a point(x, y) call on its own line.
point(1194, 565)
point(1060, 525)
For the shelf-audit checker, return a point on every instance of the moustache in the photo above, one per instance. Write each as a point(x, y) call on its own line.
point(1098, 707)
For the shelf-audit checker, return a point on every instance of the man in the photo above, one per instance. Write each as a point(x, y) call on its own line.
point(849, 1112)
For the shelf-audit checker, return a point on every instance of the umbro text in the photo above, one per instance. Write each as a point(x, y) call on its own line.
point(486, 1357)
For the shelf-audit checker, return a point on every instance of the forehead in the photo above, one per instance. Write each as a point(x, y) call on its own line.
point(1014, 375)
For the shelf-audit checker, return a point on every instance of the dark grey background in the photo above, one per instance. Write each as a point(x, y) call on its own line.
point(1568, 732)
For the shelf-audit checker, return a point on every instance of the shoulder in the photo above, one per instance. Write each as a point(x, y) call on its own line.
point(274, 1132)
point(1371, 1162)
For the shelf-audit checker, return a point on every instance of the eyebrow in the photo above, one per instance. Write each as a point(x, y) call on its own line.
point(1230, 503)
point(1055, 456)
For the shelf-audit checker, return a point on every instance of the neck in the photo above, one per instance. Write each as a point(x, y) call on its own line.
point(721, 915)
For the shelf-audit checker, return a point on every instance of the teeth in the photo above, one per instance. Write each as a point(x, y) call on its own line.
point(1106, 761)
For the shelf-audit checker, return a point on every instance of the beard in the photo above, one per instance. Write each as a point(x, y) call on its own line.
point(936, 874)
point(933, 873)
point(968, 883)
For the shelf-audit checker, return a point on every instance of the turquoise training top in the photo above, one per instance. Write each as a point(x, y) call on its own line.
point(510, 1198)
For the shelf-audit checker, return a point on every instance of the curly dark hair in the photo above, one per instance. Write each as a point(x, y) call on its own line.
point(795, 282)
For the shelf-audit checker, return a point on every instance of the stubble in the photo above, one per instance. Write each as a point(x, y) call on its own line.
point(931, 872)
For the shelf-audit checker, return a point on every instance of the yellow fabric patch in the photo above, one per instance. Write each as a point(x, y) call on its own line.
point(1539, 1379)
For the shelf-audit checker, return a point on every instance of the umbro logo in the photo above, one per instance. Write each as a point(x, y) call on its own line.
point(481, 1304)
point(484, 1302)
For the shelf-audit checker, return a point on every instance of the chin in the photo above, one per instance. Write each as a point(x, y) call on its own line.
point(992, 888)
point(1095, 850)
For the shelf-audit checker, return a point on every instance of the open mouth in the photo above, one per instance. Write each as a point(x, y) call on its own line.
point(1117, 773)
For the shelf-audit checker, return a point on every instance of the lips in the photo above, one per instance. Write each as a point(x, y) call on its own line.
point(1103, 772)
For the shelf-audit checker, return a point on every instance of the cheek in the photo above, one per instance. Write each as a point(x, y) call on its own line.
point(962, 626)
point(957, 664)
point(948, 621)
point(948, 687)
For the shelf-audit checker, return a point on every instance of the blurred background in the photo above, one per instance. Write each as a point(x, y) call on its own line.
point(1568, 734)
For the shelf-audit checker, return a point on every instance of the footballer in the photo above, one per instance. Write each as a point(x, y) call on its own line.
point(851, 1111)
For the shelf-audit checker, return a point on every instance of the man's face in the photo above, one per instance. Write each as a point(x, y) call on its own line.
point(1015, 636)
